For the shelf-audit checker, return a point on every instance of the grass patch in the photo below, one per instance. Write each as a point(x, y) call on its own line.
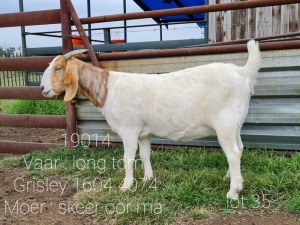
point(4, 104)
point(11, 161)
point(188, 182)
point(40, 107)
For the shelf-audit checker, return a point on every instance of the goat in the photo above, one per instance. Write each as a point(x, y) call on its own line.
point(197, 102)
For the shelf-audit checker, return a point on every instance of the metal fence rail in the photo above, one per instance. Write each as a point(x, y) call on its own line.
point(31, 121)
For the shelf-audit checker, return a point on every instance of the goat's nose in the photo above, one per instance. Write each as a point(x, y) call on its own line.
point(42, 88)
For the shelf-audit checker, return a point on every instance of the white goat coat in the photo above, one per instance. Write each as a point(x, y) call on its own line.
point(181, 105)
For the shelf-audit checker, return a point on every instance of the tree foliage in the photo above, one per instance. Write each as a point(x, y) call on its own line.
point(7, 51)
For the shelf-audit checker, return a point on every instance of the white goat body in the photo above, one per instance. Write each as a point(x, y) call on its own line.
point(192, 103)
point(181, 105)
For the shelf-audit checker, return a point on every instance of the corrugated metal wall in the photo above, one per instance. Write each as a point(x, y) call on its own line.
point(249, 23)
point(273, 120)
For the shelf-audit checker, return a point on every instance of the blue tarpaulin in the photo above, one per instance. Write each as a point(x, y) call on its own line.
point(148, 5)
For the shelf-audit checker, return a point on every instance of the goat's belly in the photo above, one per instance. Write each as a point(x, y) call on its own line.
point(184, 135)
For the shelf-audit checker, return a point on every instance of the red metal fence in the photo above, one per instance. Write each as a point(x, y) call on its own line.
point(32, 121)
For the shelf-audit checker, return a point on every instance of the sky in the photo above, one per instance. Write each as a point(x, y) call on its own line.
point(11, 37)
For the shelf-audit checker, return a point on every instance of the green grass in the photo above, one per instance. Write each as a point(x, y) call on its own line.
point(4, 104)
point(188, 182)
point(40, 107)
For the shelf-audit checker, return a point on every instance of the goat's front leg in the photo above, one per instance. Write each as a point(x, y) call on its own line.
point(130, 147)
point(145, 151)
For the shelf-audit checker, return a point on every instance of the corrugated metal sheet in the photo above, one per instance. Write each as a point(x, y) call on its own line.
point(273, 120)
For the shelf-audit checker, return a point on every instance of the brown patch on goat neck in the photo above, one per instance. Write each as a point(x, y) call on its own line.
point(93, 83)
point(105, 76)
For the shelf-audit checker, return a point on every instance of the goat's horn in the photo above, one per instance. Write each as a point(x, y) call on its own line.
point(74, 53)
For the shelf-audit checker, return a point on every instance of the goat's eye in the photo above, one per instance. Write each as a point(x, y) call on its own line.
point(57, 69)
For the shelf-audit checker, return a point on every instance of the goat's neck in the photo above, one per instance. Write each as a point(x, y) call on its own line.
point(93, 83)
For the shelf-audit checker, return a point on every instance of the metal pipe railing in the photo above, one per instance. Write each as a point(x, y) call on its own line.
point(33, 121)
point(25, 63)
point(27, 93)
point(187, 10)
point(205, 50)
point(30, 18)
point(12, 147)
point(42, 62)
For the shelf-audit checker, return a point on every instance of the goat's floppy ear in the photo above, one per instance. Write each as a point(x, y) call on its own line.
point(71, 80)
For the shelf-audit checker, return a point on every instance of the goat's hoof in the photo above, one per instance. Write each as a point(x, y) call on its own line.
point(147, 178)
point(232, 195)
point(124, 188)
point(126, 184)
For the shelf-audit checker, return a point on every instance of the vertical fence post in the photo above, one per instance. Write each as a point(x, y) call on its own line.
point(67, 47)
point(1, 73)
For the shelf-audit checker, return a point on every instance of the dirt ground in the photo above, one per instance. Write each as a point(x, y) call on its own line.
point(23, 201)
point(39, 135)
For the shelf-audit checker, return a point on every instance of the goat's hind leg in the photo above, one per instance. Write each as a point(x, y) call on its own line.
point(230, 146)
point(240, 146)
point(239, 141)
point(145, 152)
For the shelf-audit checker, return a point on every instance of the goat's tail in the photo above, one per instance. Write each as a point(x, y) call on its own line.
point(254, 61)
